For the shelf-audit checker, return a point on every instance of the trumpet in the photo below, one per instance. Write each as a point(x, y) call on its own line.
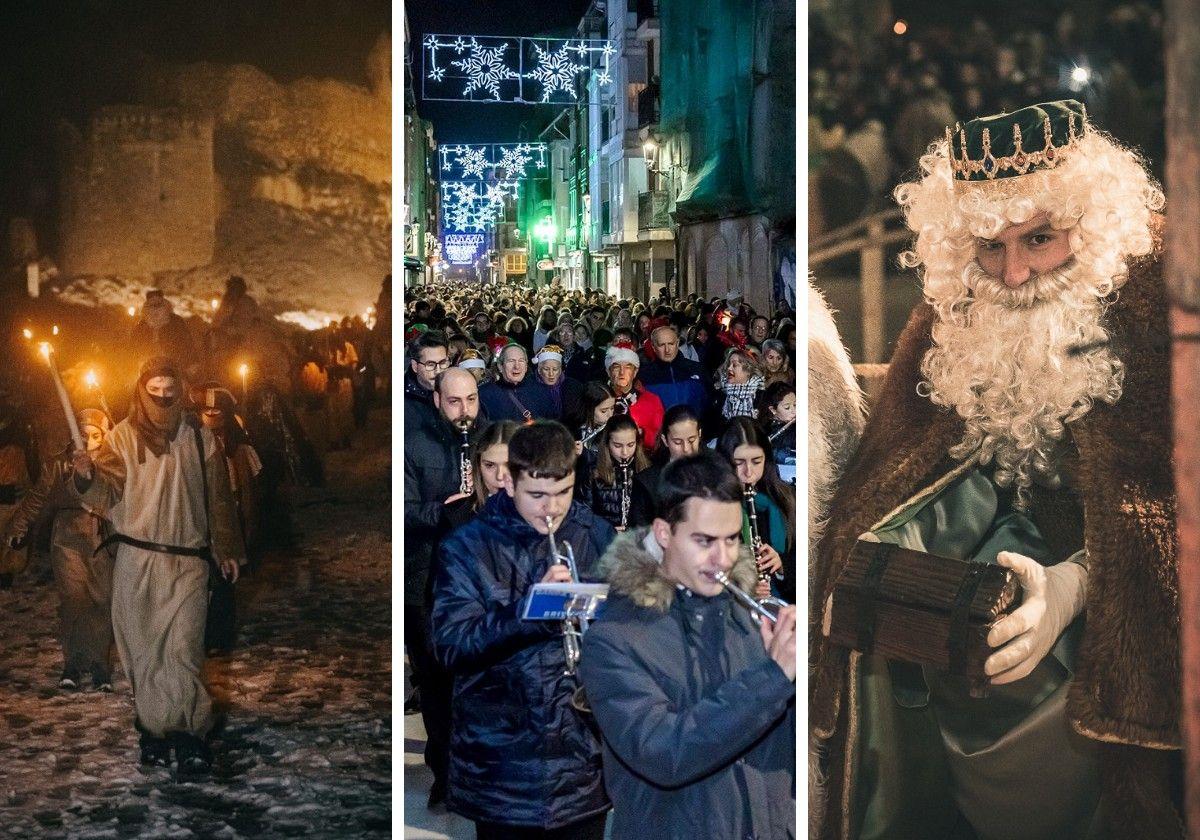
point(466, 481)
point(572, 628)
point(755, 537)
point(762, 609)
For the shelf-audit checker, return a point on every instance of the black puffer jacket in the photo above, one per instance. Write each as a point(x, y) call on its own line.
point(605, 500)
point(431, 475)
point(520, 753)
point(699, 723)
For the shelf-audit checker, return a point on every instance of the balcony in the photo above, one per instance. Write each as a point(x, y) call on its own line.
point(647, 105)
point(653, 210)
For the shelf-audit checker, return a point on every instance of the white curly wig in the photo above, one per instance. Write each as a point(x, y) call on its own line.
point(1019, 364)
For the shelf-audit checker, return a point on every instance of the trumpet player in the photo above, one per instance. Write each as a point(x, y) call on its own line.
point(694, 696)
point(523, 760)
point(437, 490)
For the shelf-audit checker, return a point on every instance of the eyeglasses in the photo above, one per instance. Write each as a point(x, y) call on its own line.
point(431, 367)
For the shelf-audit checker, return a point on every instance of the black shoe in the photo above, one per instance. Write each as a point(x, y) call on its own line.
point(102, 682)
point(156, 752)
point(412, 706)
point(437, 794)
point(192, 756)
point(69, 682)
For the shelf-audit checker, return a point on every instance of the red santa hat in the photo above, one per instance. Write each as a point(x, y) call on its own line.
point(621, 353)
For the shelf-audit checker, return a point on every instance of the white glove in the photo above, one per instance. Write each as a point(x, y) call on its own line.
point(1053, 596)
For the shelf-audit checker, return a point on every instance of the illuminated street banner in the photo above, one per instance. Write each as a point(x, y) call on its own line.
point(474, 206)
point(491, 68)
point(503, 161)
point(463, 248)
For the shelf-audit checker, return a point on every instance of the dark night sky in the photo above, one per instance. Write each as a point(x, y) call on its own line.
point(483, 122)
point(65, 59)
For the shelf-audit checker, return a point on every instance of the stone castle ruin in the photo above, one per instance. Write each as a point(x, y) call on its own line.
point(139, 194)
point(219, 170)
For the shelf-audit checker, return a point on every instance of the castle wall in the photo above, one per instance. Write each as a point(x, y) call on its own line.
point(139, 194)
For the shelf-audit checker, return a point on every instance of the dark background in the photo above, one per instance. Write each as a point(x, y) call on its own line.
point(486, 122)
point(65, 59)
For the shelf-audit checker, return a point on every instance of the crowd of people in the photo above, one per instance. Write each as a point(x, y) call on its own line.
point(876, 101)
point(625, 429)
point(149, 519)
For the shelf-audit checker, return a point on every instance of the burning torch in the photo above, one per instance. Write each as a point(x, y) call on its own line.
point(92, 381)
point(243, 369)
point(72, 423)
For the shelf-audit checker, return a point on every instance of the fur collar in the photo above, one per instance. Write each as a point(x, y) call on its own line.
point(633, 567)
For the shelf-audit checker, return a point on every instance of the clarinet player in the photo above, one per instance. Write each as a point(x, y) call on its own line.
point(694, 695)
point(523, 761)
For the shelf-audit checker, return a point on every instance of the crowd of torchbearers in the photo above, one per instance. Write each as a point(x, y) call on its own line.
point(148, 517)
point(557, 436)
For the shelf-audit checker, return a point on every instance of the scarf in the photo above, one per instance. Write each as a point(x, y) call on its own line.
point(154, 424)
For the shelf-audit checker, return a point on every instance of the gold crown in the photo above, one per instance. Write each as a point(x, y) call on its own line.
point(1019, 161)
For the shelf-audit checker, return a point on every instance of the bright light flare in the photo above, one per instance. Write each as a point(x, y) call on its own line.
point(900, 27)
point(215, 304)
point(132, 311)
point(45, 349)
point(54, 330)
point(28, 333)
point(90, 379)
point(243, 369)
point(1081, 75)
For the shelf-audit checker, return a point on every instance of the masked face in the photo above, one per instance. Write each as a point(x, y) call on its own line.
point(212, 418)
point(163, 390)
point(704, 542)
point(93, 437)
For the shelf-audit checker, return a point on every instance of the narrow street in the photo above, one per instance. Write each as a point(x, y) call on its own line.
point(306, 745)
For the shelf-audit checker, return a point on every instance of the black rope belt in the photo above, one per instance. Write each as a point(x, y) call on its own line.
point(203, 552)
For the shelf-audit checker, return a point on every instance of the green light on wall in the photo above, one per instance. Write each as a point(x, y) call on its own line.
point(546, 230)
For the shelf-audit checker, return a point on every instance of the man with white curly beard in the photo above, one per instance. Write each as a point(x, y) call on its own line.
point(1024, 421)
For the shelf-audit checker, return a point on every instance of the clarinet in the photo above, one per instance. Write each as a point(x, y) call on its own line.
point(466, 482)
point(585, 436)
point(623, 485)
point(755, 537)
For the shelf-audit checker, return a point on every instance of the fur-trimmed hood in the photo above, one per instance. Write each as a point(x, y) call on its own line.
point(633, 568)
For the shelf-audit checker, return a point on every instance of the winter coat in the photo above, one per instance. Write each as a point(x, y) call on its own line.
point(520, 754)
point(431, 475)
point(503, 401)
point(1125, 693)
point(586, 365)
point(605, 500)
point(699, 724)
point(682, 382)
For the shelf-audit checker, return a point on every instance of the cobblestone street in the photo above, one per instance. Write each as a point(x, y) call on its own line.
point(305, 749)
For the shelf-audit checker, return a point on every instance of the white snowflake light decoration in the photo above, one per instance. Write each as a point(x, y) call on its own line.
point(485, 69)
point(555, 71)
point(489, 65)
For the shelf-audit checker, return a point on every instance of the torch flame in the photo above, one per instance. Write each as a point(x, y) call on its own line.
point(54, 329)
point(132, 311)
point(216, 304)
point(90, 378)
point(243, 369)
point(28, 333)
point(45, 349)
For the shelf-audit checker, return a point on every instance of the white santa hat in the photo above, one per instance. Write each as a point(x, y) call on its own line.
point(551, 352)
point(621, 353)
